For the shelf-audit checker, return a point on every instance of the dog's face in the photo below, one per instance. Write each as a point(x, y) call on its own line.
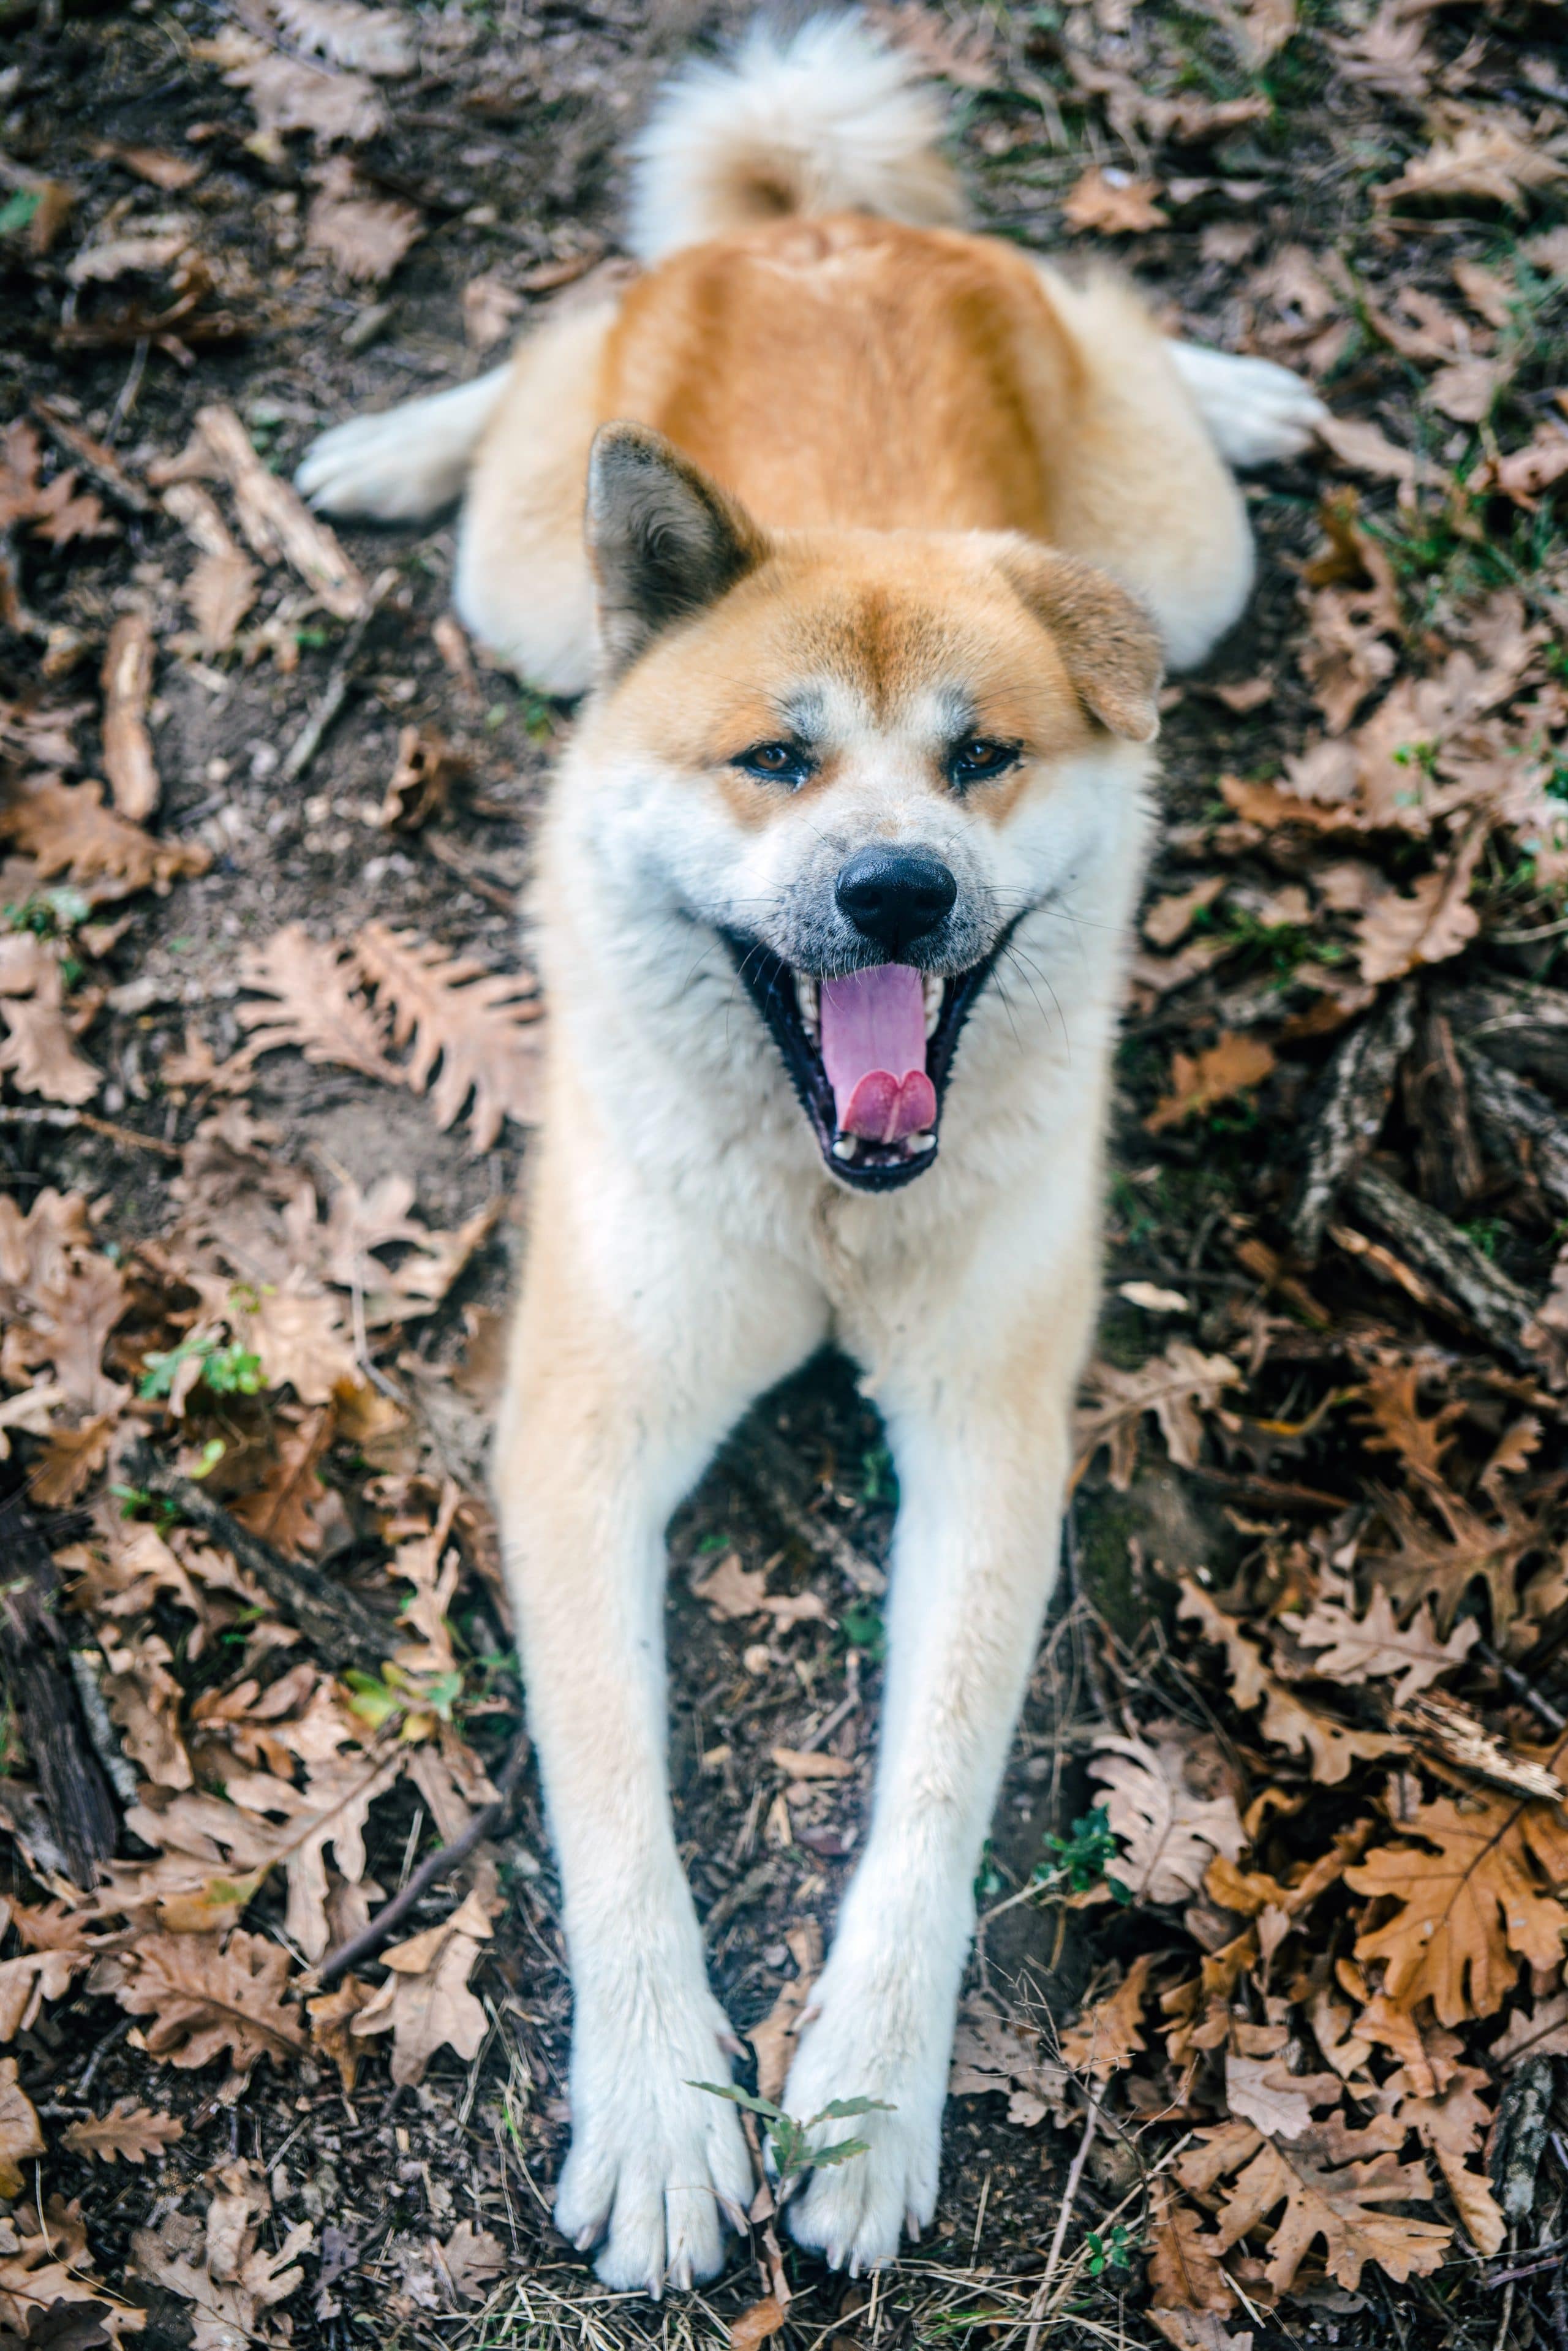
point(867, 757)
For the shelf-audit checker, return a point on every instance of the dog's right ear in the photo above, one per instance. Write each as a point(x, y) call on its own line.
point(664, 540)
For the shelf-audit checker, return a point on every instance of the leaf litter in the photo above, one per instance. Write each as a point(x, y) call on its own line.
point(1297, 1937)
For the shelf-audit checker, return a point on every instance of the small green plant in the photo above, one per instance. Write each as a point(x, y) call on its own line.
point(879, 1481)
point(136, 1500)
point(1486, 1232)
point(227, 1371)
point(51, 914)
point(1082, 1858)
point(1110, 2250)
point(16, 212)
point(788, 2141)
point(988, 1880)
point(862, 1626)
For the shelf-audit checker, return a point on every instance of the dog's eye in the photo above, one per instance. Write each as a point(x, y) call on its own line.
point(781, 762)
point(978, 757)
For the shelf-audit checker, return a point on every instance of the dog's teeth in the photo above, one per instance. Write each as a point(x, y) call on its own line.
point(808, 997)
point(934, 990)
point(845, 1148)
point(913, 1144)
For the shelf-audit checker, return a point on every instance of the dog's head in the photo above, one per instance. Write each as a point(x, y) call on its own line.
point(867, 757)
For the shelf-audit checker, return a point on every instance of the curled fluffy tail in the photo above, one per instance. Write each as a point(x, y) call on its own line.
point(824, 118)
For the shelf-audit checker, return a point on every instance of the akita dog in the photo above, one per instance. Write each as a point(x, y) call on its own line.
point(890, 529)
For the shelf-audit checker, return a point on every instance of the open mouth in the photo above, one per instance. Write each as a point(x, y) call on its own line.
point(868, 1051)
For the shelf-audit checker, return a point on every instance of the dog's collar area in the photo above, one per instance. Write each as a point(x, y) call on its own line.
point(789, 1004)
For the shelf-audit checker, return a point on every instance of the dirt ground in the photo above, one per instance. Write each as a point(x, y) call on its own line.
point(1381, 1400)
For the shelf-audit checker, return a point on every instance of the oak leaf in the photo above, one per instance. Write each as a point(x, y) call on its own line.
point(39, 1050)
point(1114, 204)
point(1334, 1746)
point(316, 1005)
point(482, 1028)
point(366, 237)
point(1376, 1646)
point(237, 2281)
point(1495, 158)
point(1443, 1562)
point(331, 2015)
point(1231, 1066)
point(20, 2137)
point(127, 2131)
point(1472, 1909)
point(991, 2052)
point(473, 2259)
point(1330, 2181)
point(425, 2003)
point(1439, 2100)
point(1105, 2036)
point(43, 2262)
point(289, 95)
point(1170, 1834)
point(1174, 1386)
point(371, 40)
point(331, 1810)
point(1435, 923)
point(205, 1999)
point(67, 829)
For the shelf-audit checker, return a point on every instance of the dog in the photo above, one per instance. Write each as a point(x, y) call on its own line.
point(891, 531)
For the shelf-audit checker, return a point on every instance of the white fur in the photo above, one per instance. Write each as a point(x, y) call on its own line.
point(704, 1229)
point(828, 118)
point(406, 462)
point(1257, 411)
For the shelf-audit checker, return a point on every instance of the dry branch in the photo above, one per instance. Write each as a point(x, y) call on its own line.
point(1482, 1295)
point(1524, 1027)
point(768, 1468)
point(277, 522)
point(1359, 1088)
point(127, 745)
point(1521, 1122)
point(340, 1629)
point(37, 1659)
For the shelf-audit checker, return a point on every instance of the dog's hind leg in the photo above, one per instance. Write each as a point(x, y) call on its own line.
point(1139, 482)
point(405, 463)
point(522, 583)
point(639, 1340)
point(980, 1441)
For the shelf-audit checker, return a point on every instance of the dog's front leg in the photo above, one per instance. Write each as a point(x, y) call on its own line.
point(981, 1452)
point(624, 1378)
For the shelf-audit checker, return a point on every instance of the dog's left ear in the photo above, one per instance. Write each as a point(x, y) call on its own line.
point(1110, 645)
point(664, 540)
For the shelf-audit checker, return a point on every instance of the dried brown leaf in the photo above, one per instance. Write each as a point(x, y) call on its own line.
point(1169, 1833)
point(1376, 1646)
point(207, 1999)
point(68, 831)
point(316, 1007)
point(481, 1027)
point(1113, 203)
point(1176, 1387)
point(1105, 2036)
point(1231, 1066)
point(425, 2003)
point(1331, 2182)
point(128, 2133)
point(1472, 1909)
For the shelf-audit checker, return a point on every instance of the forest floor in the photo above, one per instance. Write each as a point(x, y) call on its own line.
point(1264, 2035)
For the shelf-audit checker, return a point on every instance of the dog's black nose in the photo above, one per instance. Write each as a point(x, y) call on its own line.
point(894, 895)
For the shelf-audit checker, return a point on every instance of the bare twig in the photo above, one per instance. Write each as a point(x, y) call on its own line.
point(308, 742)
point(99, 462)
point(1355, 1102)
point(390, 1917)
point(766, 1465)
point(1467, 1280)
point(29, 1115)
point(1068, 2198)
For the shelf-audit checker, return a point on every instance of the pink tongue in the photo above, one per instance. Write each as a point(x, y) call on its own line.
point(874, 1050)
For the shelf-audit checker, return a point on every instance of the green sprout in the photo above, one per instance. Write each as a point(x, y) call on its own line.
point(1111, 2251)
point(788, 2141)
point(227, 1371)
point(1082, 1858)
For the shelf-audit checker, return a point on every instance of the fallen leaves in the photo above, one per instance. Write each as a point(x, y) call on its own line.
point(1169, 1832)
point(208, 1999)
point(1113, 203)
point(475, 1034)
point(127, 2134)
point(425, 2003)
point(1495, 158)
point(237, 2280)
point(1232, 1065)
point(1473, 1903)
point(67, 830)
point(1178, 1387)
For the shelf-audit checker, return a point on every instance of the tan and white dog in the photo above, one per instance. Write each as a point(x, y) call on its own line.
point(889, 532)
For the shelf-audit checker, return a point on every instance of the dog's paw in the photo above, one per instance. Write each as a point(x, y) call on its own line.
point(1257, 411)
point(371, 465)
point(658, 2169)
point(855, 2212)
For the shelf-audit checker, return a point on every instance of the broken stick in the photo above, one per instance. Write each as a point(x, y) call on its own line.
point(37, 1663)
point(338, 1626)
point(1358, 1090)
point(1466, 1277)
point(275, 520)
